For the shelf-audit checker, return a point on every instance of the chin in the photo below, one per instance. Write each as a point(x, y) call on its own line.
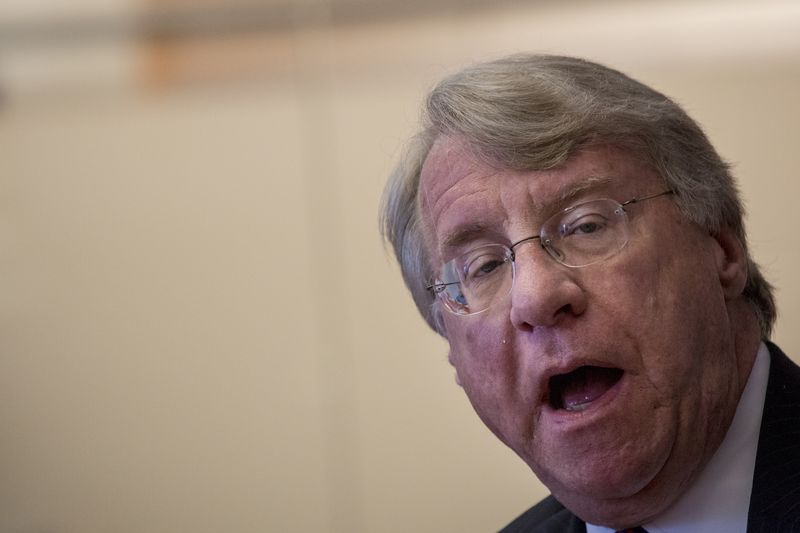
point(618, 497)
point(615, 513)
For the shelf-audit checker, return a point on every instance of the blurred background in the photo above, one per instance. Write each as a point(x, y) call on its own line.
point(200, 329)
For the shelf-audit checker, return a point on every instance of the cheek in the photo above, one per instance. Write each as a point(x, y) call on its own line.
point(676, 317)
point(475, 340)
point(485, 364)
point(477, 353)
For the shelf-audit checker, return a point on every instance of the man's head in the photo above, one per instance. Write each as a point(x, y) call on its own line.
point(607, 342)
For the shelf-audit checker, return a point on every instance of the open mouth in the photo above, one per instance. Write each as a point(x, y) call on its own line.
point(576, 390)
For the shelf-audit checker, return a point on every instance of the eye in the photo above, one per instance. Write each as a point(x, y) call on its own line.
point(489, 266)
point(585, 225)
point(482, 266)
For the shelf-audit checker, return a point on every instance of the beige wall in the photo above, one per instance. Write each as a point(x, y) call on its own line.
point(200, 328)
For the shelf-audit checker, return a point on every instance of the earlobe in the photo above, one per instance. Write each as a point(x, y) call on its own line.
point(450, 359)
point(731, 261)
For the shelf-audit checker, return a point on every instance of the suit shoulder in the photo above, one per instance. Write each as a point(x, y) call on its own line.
point(546, 516)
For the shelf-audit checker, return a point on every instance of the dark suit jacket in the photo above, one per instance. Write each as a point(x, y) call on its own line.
point(775, 500)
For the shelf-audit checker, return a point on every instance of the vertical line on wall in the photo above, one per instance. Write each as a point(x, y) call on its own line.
point(314, 80)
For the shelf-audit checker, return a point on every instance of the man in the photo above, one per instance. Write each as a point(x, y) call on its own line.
point(579, 243)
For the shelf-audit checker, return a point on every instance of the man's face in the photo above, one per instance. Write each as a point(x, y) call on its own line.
point(638, 346)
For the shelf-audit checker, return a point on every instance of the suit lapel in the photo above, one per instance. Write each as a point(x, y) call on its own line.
point(548, 516)
point(775, 500)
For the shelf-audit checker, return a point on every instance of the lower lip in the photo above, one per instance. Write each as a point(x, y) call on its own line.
point(598, 408)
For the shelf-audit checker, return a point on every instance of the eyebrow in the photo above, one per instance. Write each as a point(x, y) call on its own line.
point(572, 191)
point(464, 234)
point(469, 232)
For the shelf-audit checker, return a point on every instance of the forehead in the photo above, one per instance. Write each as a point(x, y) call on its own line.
point(447, 163)
point(459, 189)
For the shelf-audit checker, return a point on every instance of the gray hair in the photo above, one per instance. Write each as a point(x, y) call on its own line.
point(532, 112)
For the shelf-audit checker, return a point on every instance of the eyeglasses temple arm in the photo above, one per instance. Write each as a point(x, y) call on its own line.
point(642, 199)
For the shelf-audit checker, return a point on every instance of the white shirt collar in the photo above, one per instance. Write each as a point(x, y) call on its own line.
point(719, 499)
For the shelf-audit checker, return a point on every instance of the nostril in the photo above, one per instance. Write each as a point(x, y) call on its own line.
point(566, 309)
point(546, 306)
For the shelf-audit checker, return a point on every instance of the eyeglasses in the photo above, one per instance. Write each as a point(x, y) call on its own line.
point(578, 236)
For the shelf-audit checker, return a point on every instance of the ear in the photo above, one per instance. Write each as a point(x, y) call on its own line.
point(731, 261)
point(450, 359)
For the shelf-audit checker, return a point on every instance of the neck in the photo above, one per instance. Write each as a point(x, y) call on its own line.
point(746, 334)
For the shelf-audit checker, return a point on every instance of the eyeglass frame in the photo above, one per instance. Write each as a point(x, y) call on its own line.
point(438, 288)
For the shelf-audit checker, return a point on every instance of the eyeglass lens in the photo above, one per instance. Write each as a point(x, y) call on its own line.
point(578, 236)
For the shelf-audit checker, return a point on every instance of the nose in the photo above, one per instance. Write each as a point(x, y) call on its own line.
point(544, 293)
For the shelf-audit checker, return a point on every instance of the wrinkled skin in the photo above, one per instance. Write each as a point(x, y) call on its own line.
point(667, 310)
